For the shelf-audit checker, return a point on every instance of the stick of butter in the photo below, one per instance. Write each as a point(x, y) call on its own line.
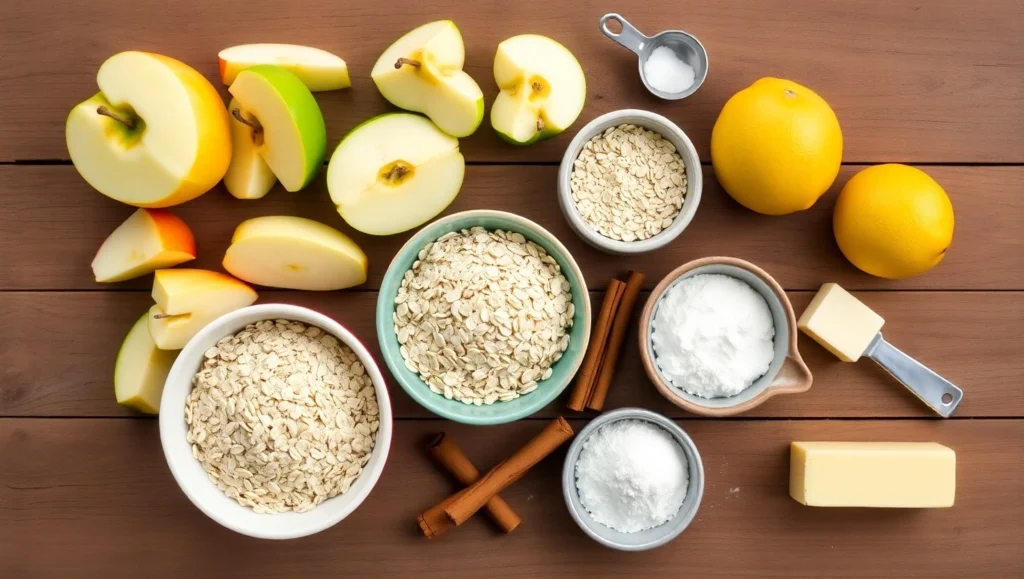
point(872, 474)
point(849, 329)
point(840, 322)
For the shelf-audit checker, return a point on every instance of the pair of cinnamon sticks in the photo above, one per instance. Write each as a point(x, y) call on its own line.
point(482, 491)
point(598, 368)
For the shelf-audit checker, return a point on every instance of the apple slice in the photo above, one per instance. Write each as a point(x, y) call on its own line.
point(317, 69)
point(156, 134)
point(294, 253)
point(542, 89)
point(248, 176)
point(150, 239)
point(422, 72)
point(287, 118)
point(141, 369)
point(188, 299)
point(394, 172)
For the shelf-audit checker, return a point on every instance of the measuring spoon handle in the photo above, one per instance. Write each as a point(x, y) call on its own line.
point(629, 36)
point(940, 394)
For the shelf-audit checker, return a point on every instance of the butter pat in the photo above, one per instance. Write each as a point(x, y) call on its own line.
point(872, 474)
point(840, 322)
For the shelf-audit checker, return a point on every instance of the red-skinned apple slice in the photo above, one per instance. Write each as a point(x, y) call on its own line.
point(149, 240)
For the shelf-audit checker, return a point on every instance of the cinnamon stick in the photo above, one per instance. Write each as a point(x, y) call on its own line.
point(446, 453)
point(587, 376)
point(634, 283)
point(461, 506)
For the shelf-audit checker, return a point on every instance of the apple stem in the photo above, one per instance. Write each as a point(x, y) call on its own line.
point(161, 316)
point(540, 124)
point(126, 121)
point(409, 61)
point(241, 118)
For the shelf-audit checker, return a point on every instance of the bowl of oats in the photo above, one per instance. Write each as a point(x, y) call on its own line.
point(629, 182)
point(483, 317)
point(275, 421)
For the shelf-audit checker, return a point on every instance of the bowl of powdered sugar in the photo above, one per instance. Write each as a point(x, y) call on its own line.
point(718, 337)
point(633, 480)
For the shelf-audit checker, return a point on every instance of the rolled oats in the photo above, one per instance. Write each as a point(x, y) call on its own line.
point(628, 183)
point(482, 315)
point(281, 416)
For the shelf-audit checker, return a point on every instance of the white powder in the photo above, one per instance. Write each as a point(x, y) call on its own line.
point(713, 335)
point(666, 72)
point(631, 476)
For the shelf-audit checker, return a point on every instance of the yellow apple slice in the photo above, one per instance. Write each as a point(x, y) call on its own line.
point(156, 134)
point(189, 299)
point(542, 89)
point(422, 72)
point(394, 172)
point(294, 253)
point(248, 176)
point(141, 369)
point(287, 119)
point(318, 69)
point(150, 239)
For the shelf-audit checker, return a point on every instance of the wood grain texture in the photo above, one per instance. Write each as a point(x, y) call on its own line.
point(52, 222)
point(93, 499)
point(937, 81)
point(57, 354)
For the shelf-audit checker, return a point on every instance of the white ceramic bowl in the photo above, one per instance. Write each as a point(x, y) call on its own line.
point(190, 474)
point(652, 122)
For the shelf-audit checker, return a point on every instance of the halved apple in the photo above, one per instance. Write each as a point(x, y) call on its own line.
point(150, 239)
point(188, 299)
point(156, 134)
point(422, 72)
point(394, 172)
point(317, 69)
point(287, 119)
point(141, 369)
point(248, 176)
point(294, 253)
point(542, 89)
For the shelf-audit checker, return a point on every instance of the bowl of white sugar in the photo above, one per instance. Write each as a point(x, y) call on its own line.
point(718, 337)
point(633, 480)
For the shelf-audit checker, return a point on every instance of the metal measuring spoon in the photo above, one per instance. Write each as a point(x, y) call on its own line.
point(685, 46)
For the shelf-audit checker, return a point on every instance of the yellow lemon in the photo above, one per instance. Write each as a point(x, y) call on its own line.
point(776, 147)
point(893, 221)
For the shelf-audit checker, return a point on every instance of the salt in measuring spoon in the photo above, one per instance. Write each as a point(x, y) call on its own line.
point(685, 46)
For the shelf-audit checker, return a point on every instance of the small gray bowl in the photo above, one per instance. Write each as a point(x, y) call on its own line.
point(650, 538)
point(650, 121)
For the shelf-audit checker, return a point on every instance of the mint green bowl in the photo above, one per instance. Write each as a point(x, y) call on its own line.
point(499, 412)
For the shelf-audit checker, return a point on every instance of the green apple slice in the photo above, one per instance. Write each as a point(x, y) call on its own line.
point(422, 72)
point(141, 369)
point(290, 121)
point(542, 89)
point(394, 172)
point(294, 253)
point(248, 176)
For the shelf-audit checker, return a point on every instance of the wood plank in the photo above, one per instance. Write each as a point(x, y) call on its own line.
point(81, 498)
point(51, 224)
point(939, 82)
point(57, 355)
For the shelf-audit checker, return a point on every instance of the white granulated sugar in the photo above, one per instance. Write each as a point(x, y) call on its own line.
point(713, 335)
point(631, 476)
point(666, 72)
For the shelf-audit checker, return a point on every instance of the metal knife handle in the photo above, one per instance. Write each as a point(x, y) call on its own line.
point(940, 394)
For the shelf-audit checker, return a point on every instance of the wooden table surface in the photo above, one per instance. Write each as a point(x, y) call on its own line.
point(84, 490)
